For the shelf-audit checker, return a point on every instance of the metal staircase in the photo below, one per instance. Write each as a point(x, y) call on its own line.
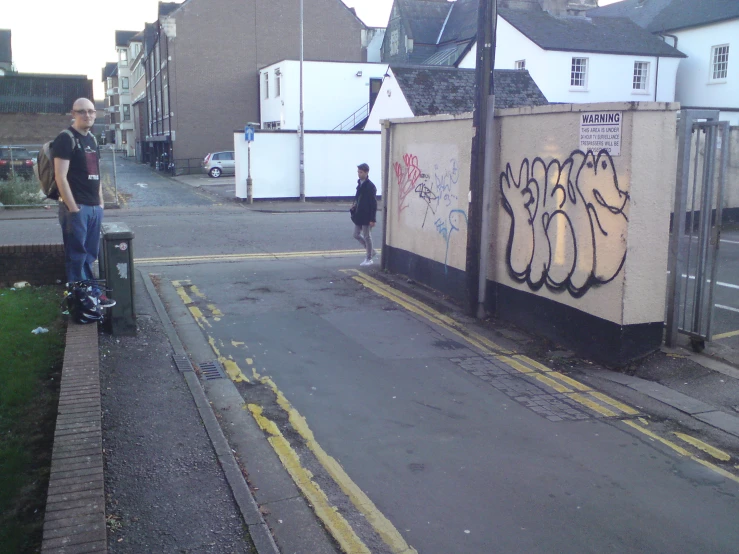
point(355, 121)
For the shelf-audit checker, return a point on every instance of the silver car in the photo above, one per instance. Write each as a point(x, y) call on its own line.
point(216, 164)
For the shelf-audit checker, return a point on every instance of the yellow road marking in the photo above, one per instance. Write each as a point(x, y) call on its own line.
point(515, 364)
point(570, 381)
point(361, 501)
point(625, 408)
point(217, 314)
point(428, 312)
point(183, 294)
point(253, 256)
point(643, 421)
point(339, 527)
point(237, 343)
point(551, 383)
point(196, 291)
point(585, 401)
point(182, 283)
point(533, 363)
point(336, 523)
point(199, 317)
point(726, 335)
point(707, 448)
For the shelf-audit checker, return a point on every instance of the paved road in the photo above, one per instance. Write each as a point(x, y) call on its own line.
point(456, 462)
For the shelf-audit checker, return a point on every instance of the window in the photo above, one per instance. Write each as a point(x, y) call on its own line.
point(521, 64)
point(124, 83)
point(273, 125)
point(123, 57)
point(266, 85)
point(278, 82)
point(719, 62)
point(579, 73)
point(641, 77)
point(126, 112)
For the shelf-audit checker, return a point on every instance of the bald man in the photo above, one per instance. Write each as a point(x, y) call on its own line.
point(77, 172)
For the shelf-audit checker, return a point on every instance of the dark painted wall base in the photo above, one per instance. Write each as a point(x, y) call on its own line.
point(589, 336)
point(447, 280)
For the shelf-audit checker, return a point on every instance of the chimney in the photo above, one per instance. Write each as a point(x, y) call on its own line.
point(561, 8)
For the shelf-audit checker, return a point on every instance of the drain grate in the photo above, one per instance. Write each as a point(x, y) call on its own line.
point(182, 362)
point(211, 370)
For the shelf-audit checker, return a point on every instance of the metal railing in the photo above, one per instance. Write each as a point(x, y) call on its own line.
point(187, 166)
point(355, 119)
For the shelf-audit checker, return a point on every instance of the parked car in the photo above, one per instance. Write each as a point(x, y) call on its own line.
point(15, 159)
point(216, 164)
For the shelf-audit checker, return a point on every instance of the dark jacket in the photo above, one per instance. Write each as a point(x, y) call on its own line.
point(366, 203)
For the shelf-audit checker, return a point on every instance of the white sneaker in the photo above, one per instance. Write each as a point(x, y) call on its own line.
point(367, 262)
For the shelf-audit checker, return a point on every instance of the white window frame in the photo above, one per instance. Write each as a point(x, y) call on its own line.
point(278, 83)
point(266, 85)
point(123, 57)
point(125, 83)
point(126, 112)
point(640, 76)
point(520, 64)
point(582, 63)
point(724, 72)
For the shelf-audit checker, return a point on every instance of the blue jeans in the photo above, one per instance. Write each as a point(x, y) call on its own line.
point(81, 235)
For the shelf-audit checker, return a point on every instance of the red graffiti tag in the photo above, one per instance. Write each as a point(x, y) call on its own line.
point(407, 178)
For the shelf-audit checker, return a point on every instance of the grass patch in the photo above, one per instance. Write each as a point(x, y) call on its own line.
point(21, 191)
point(29, 390)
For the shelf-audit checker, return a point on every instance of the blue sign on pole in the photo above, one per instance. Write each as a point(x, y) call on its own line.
point(249, 134)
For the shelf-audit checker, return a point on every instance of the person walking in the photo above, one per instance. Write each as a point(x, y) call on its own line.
point(77, 173)
point(364, 212)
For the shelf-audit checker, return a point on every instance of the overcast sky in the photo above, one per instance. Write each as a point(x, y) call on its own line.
point(48, 34)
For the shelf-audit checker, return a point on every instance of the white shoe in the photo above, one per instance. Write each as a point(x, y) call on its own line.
point(367, 262)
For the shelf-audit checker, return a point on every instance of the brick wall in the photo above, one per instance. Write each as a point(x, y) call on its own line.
point(39, 264)
point(31, 128)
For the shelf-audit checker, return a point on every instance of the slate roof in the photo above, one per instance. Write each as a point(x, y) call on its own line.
point(462, 22)
point(122, 38)
point(166, 8)
point(433, 90)
point(424, 18)
point(30, 93)
point(110, 69)
point(604, 35)
point(6, 48)
point(671, 15)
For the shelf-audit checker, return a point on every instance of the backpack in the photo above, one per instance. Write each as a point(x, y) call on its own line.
point(45, 166)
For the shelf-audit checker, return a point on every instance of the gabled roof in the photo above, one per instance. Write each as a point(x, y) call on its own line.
point(603, 35)
point(122, 38)
point(670, 15)
point(424, 18)
point(110, 70)
point(433, 90)
point(6, 46)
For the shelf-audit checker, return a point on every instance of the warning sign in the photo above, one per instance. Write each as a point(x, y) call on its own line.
point(601, 130)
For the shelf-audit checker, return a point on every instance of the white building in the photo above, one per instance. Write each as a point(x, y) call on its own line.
point(127, 45)
point(336, 95)
point(579, 59)
point(704, 31)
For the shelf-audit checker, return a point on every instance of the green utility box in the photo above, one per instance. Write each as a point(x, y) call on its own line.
point(116, 267)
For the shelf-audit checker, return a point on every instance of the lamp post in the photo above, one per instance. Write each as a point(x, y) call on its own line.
point(301, 133)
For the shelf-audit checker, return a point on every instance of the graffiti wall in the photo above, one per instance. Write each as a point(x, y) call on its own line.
point(586, 227)
point(428, 190)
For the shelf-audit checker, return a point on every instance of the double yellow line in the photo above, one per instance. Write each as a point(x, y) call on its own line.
point(217, 258)
point(577, 391)
point(334, 521)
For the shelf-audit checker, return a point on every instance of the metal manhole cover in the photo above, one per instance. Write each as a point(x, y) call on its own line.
point(211, 370)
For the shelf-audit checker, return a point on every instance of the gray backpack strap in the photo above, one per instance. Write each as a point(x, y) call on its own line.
point(75, 144)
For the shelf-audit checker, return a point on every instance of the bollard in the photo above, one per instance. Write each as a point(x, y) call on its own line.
point(116, 267)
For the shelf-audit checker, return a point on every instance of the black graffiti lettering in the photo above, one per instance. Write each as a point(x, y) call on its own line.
point(568, 222)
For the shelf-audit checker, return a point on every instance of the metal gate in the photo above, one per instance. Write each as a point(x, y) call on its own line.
point(703, 146)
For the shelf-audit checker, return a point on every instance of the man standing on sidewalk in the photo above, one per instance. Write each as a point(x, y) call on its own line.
point(364, 212)
point(77, 173)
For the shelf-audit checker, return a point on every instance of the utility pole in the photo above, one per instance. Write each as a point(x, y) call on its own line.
point(301, 132)
point(482, 158)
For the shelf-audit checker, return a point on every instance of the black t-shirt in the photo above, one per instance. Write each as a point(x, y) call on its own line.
point(84, 165)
